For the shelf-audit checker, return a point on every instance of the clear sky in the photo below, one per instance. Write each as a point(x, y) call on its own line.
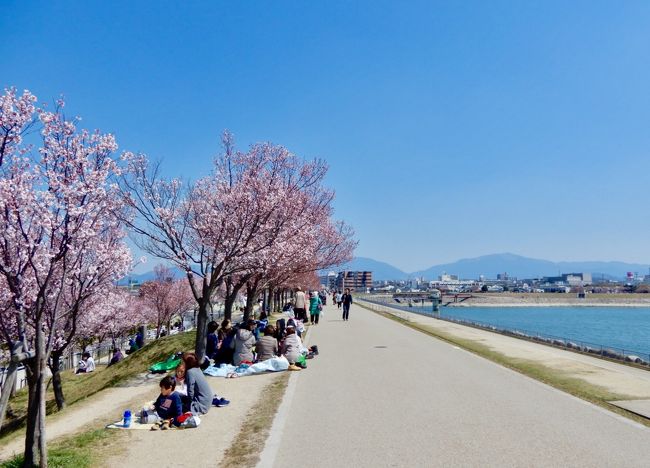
point(452, 129)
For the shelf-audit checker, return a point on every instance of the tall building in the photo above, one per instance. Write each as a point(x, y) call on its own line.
point(355, 280)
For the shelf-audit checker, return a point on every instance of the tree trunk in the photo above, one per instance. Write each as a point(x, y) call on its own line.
point(251, 295)
point(32, 435)
point(229, 301)
point(42, 441)
point(55, 367)
point(201, 329)
point(7, 388)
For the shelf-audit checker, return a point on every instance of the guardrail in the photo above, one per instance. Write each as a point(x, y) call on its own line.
point(628, 356)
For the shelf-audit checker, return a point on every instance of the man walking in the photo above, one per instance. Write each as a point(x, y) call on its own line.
point(300, 305)
point(347, 301)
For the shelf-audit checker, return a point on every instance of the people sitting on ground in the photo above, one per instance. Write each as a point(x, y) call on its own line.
point(267, 346)
point(117, 357)
point(262, 322)
point(133, 347)
point(244, 342)
point(280, 326)
point(199, 393)
point(212, 345)
point(168, 405)
point(226, 336)
point(288, 307)
point(298, 325)
point(181, 384)
point(315, 306)
point(87, 364)
point(291, 348)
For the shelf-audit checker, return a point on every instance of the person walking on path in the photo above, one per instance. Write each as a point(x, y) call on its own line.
point(315, 306)
point(339, 299)
point(347, 301)
point(300, 305)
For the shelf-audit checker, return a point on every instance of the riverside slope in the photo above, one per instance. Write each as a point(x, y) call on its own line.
point(382, 394)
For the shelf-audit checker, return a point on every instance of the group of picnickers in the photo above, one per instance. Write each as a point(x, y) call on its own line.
point(186, 394)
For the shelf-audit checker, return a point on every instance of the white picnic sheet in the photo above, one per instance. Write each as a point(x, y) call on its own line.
point(274, 364)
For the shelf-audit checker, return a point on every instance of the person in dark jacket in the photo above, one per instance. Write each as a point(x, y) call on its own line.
point(347, 301)
point(117, 357)
point(227, 338)
point(212, 346)
point(168, 405)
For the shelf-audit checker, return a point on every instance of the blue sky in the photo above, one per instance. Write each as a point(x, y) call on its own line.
point(452, 129)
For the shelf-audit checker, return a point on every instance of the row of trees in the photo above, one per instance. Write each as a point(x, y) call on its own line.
point(261, 221)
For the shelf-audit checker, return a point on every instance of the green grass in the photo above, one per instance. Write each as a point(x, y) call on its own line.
point(556, 378)
point(79, 387)
point(83, 450)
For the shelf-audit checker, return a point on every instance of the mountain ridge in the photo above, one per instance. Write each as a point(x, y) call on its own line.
point(470, 268)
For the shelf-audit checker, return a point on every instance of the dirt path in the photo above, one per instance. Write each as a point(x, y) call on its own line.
point(106, 405)
point(204, 446)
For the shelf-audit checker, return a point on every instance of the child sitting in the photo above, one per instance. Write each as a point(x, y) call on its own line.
point(168, 405)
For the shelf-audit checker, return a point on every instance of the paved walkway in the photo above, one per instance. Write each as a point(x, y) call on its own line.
point(382, 394)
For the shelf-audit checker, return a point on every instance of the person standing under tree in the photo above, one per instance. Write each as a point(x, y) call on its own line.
point(315, 307)
point(300, 305)
point(347, 301)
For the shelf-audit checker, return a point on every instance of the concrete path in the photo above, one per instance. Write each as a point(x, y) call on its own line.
point(382, 394)
point(626, 381)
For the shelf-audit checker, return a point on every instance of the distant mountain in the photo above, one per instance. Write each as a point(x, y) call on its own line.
point(524, 267)
point(380, 270)
point(471, 268)
point(148, 276)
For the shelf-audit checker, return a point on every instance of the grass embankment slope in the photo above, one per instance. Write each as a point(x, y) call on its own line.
point(79, 387)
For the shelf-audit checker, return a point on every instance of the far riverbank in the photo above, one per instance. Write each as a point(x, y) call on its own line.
point(551, 300)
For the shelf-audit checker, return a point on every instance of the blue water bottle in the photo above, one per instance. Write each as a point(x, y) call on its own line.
point(127, 418)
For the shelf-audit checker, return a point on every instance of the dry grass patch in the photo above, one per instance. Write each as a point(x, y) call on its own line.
point(244, 451)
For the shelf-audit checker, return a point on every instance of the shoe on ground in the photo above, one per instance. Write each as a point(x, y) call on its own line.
point(293, 367)
point(221, 403)
point(155, 427)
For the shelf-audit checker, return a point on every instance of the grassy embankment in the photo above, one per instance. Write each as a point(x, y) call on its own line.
point(553, 377)
point(80, 450)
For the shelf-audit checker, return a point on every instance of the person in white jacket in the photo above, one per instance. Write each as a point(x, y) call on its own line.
point(87, 364)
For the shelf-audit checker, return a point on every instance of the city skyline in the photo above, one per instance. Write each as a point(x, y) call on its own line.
point(451, 131)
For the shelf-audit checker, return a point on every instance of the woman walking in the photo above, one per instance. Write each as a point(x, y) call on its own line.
point(315, 306)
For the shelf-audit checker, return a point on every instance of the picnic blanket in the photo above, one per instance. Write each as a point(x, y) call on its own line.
point(135, 426)
point(274, 364)
point(165, 366)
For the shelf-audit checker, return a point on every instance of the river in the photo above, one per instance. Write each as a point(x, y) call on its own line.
point(622, 328)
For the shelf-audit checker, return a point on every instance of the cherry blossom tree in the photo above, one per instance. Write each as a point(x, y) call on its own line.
point(57, 209)
point(165, 297)
point(214, 228)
